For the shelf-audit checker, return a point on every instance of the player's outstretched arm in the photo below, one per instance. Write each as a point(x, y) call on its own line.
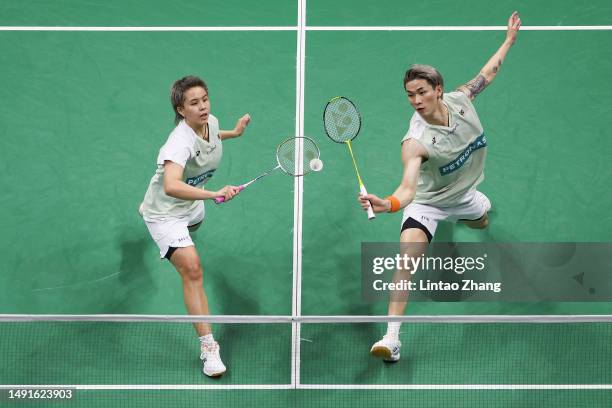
point(241, 125)
point(488, 73)
point(413, 154)
point(174, 186)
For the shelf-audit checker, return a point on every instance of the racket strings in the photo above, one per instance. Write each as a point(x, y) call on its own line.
point(341, 120)
point(286, 155)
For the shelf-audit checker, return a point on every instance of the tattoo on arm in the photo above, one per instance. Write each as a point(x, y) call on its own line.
point(475, 86)
point(497, 66)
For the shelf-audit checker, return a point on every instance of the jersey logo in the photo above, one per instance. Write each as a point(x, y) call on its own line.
point(194, 181)
point(433, 140)
point(210, 149)
point(461, 112)
point(456, 164)
point(197, 153)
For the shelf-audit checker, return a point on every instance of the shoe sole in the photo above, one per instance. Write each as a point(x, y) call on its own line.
point(381, 352)
point(384, 353)
point(213, 375)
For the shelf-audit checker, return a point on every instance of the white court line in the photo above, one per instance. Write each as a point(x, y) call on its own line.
point(456, 28)
point(455, 386)
point(148, 29)
point(116, 387)
point(112, 387)
point(298, 196)
point(306, 28)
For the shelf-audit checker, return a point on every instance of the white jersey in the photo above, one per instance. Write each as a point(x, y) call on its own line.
point(456, 153)
point(199, 159)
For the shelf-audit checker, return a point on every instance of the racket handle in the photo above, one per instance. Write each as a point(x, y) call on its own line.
point(363, 192)
point(221, 199)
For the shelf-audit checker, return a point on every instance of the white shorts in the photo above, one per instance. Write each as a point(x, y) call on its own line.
point(472, 206)
point(174, 232)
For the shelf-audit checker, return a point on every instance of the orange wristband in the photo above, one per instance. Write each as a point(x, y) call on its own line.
point(395, 204)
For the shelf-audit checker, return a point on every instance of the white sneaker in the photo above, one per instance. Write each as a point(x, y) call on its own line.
point(213, 366)
point(387, 348)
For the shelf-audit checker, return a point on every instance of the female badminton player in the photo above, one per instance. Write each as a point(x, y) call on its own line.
point(444, 155)
point(174, 202)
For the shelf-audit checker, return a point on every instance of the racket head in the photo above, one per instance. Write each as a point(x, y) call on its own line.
point(285, 155)
point(341, 120)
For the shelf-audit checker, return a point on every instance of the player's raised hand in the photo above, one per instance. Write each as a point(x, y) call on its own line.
point(514, 24)
point(242, 123)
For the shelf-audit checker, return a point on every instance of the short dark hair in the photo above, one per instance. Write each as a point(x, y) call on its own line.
point(177, 92)
point(426, 72)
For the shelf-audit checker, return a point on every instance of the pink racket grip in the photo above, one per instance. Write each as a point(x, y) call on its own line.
point(363, 192)
point(221, 199)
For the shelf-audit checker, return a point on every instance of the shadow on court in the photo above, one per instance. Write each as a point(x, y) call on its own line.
point(136, 282)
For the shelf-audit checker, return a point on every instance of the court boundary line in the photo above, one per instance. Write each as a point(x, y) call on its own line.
point(298, 28)
point(147, 29)
point(296, 299)
point(162, 387)
point(457, 28)
point(456, 386)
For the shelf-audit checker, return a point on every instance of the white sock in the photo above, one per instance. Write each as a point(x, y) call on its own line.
point(208, 339)
point(393, 329)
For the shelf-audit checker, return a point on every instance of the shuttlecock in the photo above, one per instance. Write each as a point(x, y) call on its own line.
point(316, 164)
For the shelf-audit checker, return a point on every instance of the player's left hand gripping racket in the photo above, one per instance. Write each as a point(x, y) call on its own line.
point(286, 160)
point(342, 124)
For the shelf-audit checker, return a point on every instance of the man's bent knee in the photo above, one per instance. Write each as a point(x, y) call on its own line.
point(192, 271)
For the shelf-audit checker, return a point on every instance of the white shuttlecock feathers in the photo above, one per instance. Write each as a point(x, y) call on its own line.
point(316, 164)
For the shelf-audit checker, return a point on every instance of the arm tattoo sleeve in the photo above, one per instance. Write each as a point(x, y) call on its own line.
point(476, 85)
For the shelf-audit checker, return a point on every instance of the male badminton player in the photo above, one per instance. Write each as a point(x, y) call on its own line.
point(444, 155)
point(173, 204)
